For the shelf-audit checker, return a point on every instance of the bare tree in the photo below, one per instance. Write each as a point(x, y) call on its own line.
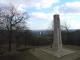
point(11, 19)
point(65, 27)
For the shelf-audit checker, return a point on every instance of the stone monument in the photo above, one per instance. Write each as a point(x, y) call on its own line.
point(57, 42)
point(57, 48)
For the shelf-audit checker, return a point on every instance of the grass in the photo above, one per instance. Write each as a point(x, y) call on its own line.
point(78, 58)
point(25, 55)
point(21, 53)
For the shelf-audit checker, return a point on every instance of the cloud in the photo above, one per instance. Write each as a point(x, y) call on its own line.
point(21, 4)
point(71, 20)
point(70, 7)
point(73, 4)
point(42, 15)
point(40, 20)
point(21, 8)
point(45, 3)
point(39, 15)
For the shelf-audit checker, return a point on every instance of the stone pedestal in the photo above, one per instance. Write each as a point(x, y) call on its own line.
point(58, 53)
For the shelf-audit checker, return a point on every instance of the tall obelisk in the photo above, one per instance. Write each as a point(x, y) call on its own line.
point(57, 41)
point(57, 49)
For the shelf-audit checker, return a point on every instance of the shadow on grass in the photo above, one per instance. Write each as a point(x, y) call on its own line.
point(78, 58)
point(23, 55)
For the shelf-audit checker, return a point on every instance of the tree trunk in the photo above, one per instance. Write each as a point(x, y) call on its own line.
point(10, 38)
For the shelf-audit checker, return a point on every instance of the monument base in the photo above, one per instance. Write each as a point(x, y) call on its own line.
point(58, 53)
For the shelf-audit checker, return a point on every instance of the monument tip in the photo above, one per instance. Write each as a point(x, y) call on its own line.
point(56, 14)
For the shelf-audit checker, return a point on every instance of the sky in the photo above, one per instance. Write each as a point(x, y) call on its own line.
point(41, 12)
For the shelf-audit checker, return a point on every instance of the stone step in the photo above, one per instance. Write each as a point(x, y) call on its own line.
point(42, 55)
point(46, 56)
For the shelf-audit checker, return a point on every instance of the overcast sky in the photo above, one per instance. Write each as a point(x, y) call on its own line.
point(41, 12)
